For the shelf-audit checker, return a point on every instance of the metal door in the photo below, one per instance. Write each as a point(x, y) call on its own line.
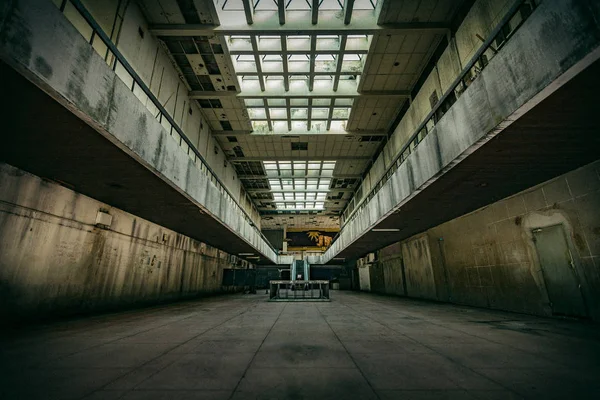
point(559, 272)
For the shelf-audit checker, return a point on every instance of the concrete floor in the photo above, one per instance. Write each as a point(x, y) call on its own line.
point(358, 346)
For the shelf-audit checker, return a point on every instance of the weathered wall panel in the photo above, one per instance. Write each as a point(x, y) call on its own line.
point(418, 269)
point(54, 259)
point(488, 258)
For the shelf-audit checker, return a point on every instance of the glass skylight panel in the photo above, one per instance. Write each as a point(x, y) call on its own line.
point(245, 66)
point(320, 113)
point(318, 126)
point(338, 125)
point(298, 102)
point(276, 102)
point(328, 42)
point(239, 43)
point(352, 65)
point(260, 126)
point(323, 82)
point(299, 113)
point(257, 113)
point(300, 125)
point(299, 42)
point(340, 113)
point(280, 126)
point(254, 102)
point(272, 63)
point(325, 63)
point(321, 102)
point(343, 102)
point(358, 42)
point(269, 43)
point(298, 84)
point(278, 113)
point(250, 85)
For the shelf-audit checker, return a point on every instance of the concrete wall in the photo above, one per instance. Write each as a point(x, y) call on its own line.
point(481, 19)
point(544, 53)
point(364, 277)
point(55, 260)
point(125, 24)
point(488, 258)
point(40, 43)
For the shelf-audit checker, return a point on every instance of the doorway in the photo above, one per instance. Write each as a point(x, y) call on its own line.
point(558, 269)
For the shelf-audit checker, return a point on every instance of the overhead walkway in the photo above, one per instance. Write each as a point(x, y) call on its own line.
point(528, 114)
point(70, 119)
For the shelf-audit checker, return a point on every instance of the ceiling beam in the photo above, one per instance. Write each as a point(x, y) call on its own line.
point(285, 210)
point(281, 11)
point(313, 56)
point(348, 7)
point(363, 23)
point(269, 201)
point(379, 132)
point(299, 191)
point(345, 90)
point(249, 11)
point(295, 52)
point(314, 11)
point(338, 66)
point(261, 80)
point(298, 158)
point(255, 177)
point(284, 59)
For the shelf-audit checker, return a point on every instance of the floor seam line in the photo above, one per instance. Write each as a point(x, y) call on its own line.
point(256, 352)
point(349, 355)
point(446, 357)
point(160, 355)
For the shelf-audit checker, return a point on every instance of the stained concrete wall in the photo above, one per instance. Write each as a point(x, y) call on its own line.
point(40, 43)
point(364, 277)
point(127, 28)
point(55, 260)
point(479, 22)
point(488, 258)
point(555, 43)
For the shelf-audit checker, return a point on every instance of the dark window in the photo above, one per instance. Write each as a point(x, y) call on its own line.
point(226, 125)
point(232, 139)
point(204, 103)
point(238, 151)
point(371, 138)
point(433, 99)
point(299, 145)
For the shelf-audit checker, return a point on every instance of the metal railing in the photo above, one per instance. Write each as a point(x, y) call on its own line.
point(299, 291)
point(118, 63)
point(505, 29)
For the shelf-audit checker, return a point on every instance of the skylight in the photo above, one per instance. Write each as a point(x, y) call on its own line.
point(299, 185)
point(298, 83)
